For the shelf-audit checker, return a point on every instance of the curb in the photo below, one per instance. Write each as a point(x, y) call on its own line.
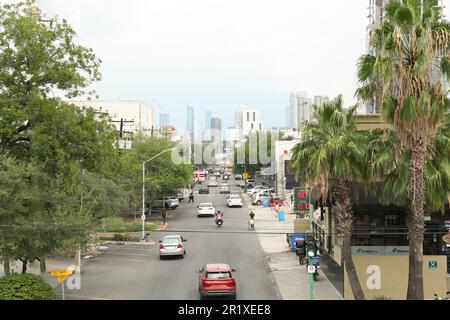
point(162, 227)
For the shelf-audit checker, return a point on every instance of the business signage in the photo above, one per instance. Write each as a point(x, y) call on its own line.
point(380, 250)
point(301, 204)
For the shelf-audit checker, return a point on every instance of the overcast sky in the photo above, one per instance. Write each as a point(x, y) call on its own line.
point(218, 54)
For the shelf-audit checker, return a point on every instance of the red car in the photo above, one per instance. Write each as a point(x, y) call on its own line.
point(217, 280)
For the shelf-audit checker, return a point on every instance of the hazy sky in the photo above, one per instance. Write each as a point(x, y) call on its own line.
point(218, 54)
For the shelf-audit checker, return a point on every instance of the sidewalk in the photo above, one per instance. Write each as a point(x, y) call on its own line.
point(292, 279)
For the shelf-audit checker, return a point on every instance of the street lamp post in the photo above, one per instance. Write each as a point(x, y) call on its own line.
point(143, 189)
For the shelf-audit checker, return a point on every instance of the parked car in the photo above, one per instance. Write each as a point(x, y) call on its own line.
point(251, 183)
point(258, 198)
point(272, 190)
point(238, 177)
point(170, 202)
point(240, 183)
point(255, 188)
point(203, 190)
point(233, 200)
point(224, 189)
point(216, 280)
point(205, 209)
point(212, 183)
point(172, 246)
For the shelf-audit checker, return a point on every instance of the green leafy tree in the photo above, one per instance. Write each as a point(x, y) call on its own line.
point(408, 70)
point(329, 158)
point(36, 57)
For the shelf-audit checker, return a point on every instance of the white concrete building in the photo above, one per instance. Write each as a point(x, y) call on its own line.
point(283, 154)
point(234, 135)
point(248, 120)
point(140, 114)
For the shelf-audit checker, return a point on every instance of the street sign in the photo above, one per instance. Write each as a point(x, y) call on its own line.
point(432, 264)
point(245, 175)
point(61, 274)
point(301, 204)
point(311, 269)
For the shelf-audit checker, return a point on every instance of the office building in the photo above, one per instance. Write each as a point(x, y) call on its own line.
point(216, 129)
point(300, 110)
point(164, 120)
point(190, 122)
point(136, 115)
point(248, 120)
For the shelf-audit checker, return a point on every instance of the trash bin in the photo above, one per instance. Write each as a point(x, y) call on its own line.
point(281, 216)
point(265, 203)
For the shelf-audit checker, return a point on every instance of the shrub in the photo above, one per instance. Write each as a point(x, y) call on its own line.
point(27, 286)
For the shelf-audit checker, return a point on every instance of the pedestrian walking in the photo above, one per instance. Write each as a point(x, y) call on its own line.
point(191, 197)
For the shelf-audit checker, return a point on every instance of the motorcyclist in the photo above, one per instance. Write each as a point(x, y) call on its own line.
point(219, 216)
point(251, 222)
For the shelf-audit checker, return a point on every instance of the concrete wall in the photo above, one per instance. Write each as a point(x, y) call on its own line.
point(392, 272)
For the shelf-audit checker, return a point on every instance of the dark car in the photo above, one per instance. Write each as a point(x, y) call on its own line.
point(203, 190)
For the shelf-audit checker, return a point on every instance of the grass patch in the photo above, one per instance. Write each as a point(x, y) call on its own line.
point(117, 224)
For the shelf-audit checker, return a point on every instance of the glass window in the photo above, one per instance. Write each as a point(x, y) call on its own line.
point(218, 275)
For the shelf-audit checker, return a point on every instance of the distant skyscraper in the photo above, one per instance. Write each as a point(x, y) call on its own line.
point(190, 122)
point(300, 109)
point(216, 129)
point(207, 132)
point(164, 120)
point(319, 100)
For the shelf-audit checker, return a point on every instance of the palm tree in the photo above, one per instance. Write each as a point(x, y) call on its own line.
point(329, 158)
point(410, 66)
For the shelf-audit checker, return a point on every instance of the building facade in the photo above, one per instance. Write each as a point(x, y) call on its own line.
point(300, 109)
point(248, 120)
point(216, 129)
point(190, 120)
point(164, 120)
point(136, 115)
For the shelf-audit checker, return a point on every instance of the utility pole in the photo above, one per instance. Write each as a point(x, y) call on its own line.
point(311, 275)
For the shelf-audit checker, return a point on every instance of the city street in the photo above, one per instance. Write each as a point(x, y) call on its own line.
point(136, 272)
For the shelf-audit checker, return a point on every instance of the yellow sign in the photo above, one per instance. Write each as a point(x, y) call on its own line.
point(245, 175)
point(61, 274)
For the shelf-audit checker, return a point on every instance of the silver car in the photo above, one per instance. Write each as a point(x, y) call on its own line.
point(172, 246)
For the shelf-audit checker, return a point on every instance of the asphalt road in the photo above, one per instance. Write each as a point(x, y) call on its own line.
point(136, 272)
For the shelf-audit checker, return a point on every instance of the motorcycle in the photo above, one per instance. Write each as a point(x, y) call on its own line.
point(314, 260)
point(301, 255)
point(219, 222)
point(251, 224)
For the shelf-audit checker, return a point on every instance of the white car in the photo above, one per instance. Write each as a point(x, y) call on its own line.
point(206, 209)
point(234, 200)
point(212, 183)
point(257, 188)
point(172, 246)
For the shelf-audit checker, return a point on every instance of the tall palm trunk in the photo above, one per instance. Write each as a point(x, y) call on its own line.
point(344, 212)
point(416, 225)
